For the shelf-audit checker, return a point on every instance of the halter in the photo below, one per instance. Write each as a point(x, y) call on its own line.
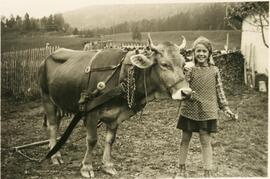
point(174, 84)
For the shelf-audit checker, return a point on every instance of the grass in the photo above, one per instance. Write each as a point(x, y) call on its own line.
point(145, 147)
point(218, 38)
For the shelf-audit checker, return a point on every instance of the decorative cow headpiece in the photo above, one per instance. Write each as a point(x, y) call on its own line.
point(167, 62)
point(143, 62)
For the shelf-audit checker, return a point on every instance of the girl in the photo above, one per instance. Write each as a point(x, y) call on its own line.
point(200, 113)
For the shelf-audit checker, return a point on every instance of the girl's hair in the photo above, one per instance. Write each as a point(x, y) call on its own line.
point(204, 41)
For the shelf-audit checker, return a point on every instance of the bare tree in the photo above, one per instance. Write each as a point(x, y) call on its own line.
point(258, 11)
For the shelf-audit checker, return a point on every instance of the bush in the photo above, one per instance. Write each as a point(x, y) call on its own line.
point(231, 68)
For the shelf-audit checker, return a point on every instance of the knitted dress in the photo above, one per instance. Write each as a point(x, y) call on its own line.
point(201, 111)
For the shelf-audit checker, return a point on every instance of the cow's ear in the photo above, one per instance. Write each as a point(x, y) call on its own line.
point(141, 61)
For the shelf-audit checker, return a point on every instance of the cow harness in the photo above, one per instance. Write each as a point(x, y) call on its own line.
point(90, 100)
point(126, 89)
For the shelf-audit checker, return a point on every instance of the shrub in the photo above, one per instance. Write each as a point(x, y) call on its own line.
point(231, 68)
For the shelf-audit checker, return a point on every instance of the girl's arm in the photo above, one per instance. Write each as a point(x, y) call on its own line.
point(188, 70)
point(222, 101)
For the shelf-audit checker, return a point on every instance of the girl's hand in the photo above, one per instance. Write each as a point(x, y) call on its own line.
point(188, 66)
point(230, 114)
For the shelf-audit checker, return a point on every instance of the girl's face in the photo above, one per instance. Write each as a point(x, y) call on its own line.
point(201, 54)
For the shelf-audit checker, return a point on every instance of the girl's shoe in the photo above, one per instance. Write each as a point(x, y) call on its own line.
point(207, 173)
point(182, 171)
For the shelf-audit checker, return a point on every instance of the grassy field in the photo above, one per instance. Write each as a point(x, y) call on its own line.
point(146, 147)
point(24, 42)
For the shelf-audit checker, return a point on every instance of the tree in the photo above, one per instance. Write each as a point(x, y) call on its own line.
point(258, 11)
point(50, 26)
point(75, 31)
point(43, 23)
point(26, 22)
point(66, 27)
point(34, 24)
point(3, 24)
point(19, 23)
point(59, 22)
point(136, 34)
point(11, 23)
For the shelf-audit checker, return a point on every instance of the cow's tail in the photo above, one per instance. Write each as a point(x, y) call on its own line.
point(42, 77)
point(43, 85)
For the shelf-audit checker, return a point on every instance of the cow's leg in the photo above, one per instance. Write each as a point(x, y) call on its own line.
point(91, 140)
point(53, 125)
point(108, 165)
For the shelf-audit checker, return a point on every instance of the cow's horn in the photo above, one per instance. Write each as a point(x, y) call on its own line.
point(184, 43)
point(151, 45)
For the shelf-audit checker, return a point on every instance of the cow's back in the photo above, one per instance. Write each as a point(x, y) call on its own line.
point(67, 80)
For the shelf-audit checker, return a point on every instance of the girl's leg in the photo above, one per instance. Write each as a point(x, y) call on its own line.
point(186, 136)
point(207, 152)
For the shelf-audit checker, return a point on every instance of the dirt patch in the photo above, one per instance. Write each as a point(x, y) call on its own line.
point(146, 147)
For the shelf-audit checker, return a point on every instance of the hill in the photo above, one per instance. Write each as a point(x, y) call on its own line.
point(109, 15)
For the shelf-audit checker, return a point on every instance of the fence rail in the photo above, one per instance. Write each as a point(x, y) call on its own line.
point(19, 71)
point(112, 44)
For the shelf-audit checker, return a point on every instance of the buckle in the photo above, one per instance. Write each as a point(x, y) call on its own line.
point(87, 69)
point(83, 101)
point(82, 107)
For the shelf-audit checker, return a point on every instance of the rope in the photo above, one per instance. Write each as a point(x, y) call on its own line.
point(26, 156)
point(145, 88)
point(146, 95)
point(178, 110)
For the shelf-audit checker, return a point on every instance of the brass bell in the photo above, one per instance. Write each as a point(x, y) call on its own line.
point(101, 85)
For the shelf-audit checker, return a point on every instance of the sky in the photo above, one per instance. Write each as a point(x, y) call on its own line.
point(40, 8)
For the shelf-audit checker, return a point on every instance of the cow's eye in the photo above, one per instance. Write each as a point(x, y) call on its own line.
point(165, 65)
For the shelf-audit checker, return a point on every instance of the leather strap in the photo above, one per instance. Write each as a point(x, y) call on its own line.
point(117, 91)
point(88, 69)
point(65, 136)
point(90, 106)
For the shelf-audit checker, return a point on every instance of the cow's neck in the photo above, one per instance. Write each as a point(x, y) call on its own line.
point(145, 85)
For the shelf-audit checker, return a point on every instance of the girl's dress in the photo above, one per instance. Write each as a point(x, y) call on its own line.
point(201, 111)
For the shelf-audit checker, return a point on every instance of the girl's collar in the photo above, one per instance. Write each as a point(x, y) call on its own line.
point(202, 65)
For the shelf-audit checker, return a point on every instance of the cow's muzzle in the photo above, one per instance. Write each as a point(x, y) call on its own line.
point(182, 94)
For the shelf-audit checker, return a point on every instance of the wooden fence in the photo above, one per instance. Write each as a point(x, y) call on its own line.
point(112, 44)
point(19, 71)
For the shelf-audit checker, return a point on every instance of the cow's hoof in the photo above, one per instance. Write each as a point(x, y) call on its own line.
point(87, 171)
point(57, 159)
point(109, 170)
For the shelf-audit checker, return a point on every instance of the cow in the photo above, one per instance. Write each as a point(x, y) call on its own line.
point(67, 76)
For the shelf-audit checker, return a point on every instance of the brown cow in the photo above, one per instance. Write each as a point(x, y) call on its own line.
point(65, 74)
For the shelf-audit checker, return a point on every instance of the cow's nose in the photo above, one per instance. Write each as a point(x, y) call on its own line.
point(186, 93)
point(182, 94)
